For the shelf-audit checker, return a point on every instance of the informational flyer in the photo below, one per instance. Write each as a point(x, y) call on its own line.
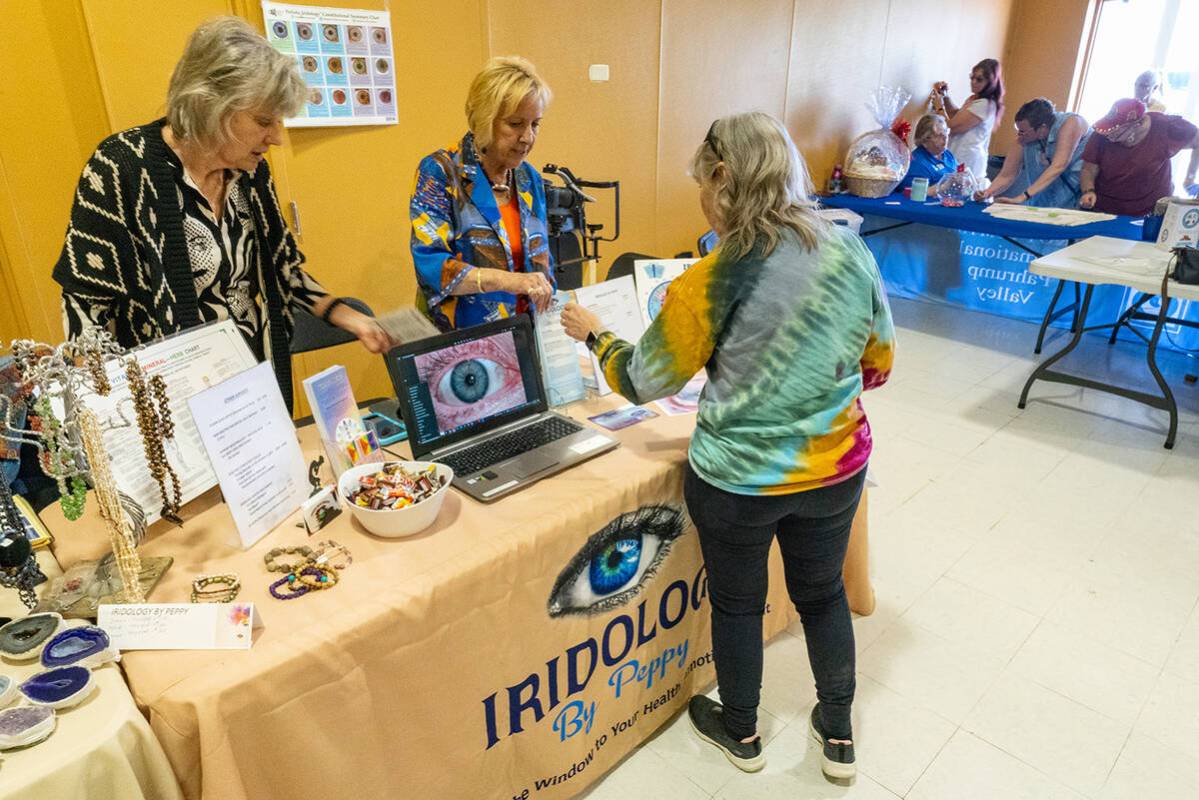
point(189, 362)
point(615, 303)
point(252, 444)
point(559, 360)
point(345, 57)
point(653, 276)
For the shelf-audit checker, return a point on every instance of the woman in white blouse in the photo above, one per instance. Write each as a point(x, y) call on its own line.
point(970, 125)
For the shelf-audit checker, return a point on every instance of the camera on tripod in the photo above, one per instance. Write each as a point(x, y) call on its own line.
point(572, 240)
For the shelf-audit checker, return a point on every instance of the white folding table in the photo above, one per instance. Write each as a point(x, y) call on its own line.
point(1138, 265)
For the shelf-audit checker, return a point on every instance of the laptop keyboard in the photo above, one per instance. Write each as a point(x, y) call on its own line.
point(493, 451)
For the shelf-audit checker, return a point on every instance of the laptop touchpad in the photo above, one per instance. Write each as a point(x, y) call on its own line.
point(533, 463)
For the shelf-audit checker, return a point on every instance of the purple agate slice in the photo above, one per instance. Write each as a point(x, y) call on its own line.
point(56, 685)
point(15, 721)
point(74, 644)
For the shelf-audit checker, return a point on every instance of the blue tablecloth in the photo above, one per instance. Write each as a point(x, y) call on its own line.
point(963, 257)
point(971, 217)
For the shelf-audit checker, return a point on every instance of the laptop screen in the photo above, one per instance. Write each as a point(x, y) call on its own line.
point(465, 382)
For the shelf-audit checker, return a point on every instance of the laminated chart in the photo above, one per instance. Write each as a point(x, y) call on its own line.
point(345, 56)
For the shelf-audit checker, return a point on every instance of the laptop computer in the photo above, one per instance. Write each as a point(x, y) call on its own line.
point(474, 399)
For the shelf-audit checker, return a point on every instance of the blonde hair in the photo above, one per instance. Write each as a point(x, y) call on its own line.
point(760, 184)
point(927, 125)
point(228, 67)
point(497, 90)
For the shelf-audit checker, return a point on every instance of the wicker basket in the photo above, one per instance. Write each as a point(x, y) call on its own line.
point(869, 187)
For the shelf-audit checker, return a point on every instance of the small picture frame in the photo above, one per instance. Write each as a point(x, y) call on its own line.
point(35, 529)
point(321, 509)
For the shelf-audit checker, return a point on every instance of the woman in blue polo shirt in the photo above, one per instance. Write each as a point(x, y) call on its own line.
point(930, 159)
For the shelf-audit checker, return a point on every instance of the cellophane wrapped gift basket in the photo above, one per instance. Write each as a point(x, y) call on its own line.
point(877, 161)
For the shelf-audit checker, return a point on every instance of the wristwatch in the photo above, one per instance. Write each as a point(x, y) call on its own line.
point(591, 340)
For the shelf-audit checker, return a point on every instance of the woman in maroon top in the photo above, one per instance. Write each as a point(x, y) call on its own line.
point(1126, 168)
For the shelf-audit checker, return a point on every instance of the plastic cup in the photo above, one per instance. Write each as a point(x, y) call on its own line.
point(920, 189)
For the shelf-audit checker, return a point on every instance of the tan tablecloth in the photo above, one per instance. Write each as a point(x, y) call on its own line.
point(408, 679)
point(103, 749)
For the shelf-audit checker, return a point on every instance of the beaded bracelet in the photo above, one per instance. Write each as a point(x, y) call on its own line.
point(294, 588)
point(316, 578)
point(327, 553)
point(304, 551)
point(228, 587)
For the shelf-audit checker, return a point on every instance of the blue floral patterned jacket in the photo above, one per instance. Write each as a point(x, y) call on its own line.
point(456, 226)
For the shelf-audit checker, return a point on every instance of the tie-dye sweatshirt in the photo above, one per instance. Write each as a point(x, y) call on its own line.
point(789, 342)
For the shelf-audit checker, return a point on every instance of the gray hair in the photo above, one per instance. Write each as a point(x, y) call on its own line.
point(929, 124)
point(760, 184)
point(228, 67)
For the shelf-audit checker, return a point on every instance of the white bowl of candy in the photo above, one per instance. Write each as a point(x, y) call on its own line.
point(396, 498)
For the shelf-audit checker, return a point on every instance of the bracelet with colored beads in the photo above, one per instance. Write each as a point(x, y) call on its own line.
point(317, 578)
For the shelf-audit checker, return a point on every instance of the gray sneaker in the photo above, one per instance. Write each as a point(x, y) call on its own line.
point(707, 719)
point(836, 760)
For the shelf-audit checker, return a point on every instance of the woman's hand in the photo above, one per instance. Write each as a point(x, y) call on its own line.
point(534, 286)
point(1011, 201)
point(373, 338)
point(578, 321)
point(940, 87)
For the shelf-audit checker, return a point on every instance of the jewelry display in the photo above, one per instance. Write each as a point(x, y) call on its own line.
point(330, 553)
point(155, 423)
point(120, 532)
point(54, 464)
point(60, 373)
point(18, 567)
point(304, 551)
point(227, 588)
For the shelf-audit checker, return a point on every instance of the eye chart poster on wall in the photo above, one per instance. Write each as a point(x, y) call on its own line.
point(346, 58)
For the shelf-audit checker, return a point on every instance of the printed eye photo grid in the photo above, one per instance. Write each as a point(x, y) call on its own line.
point(349, 67)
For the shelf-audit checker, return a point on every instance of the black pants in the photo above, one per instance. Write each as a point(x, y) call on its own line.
point(735, 533)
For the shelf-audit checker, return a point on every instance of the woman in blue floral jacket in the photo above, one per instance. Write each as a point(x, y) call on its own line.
point(480, 242)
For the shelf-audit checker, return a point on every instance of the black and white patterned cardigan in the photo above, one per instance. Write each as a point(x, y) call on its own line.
point(125, 246)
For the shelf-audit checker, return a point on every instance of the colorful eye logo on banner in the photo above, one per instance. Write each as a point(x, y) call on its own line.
point(616, 562)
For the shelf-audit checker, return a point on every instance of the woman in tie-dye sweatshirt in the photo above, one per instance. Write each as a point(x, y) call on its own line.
point(790, 319)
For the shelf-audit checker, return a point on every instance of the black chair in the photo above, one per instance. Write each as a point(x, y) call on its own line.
point(567, 250)
point(623, 264)
point(313, 333)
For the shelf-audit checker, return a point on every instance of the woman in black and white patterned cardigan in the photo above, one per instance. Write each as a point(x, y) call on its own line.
point(176, 223)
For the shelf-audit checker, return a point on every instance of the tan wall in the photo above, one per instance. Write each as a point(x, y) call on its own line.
point(675, 66)
point(1042, 55)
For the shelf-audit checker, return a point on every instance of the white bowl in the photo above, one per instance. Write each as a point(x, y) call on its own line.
point(395, 523)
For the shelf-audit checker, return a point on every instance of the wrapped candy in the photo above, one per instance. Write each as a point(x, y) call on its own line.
point(877, 161)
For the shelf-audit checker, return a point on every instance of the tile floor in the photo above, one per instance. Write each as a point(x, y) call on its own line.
point(1037, 574)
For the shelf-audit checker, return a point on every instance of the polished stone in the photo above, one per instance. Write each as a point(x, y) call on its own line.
point(87, 644)
point(55, 686)
point(23, 637)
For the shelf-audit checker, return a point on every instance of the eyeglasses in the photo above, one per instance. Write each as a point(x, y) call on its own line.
point(710, 141)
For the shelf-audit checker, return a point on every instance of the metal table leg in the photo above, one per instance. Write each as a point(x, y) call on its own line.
point(1164, 401)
